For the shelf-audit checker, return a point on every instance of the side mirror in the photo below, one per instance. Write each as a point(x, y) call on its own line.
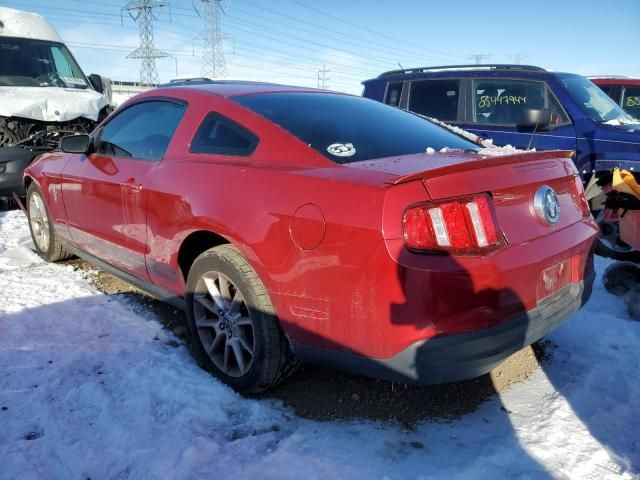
point(537, 119)
point(75, 144)
point(96, 83)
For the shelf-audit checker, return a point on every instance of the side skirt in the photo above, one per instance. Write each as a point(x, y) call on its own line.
point(156, 292)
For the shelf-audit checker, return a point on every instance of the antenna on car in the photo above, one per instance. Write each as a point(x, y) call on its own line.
point(536, 118)
point(400, 66)
point(533, 135)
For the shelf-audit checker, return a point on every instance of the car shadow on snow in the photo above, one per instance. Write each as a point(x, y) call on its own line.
point(325, 394)
point(608, 408)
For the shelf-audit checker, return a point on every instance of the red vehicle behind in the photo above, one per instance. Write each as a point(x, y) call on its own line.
point(297, 223)
point(624, 91)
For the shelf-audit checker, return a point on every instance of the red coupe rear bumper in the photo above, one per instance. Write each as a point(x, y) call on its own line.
point(466, 355)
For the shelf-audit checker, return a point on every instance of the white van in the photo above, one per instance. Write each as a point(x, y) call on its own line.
point(44, 94)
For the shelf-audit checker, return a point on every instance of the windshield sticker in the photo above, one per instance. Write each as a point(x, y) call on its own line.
point(74, 81)
point(633, 102)
point(341, 149)
point(488, 101)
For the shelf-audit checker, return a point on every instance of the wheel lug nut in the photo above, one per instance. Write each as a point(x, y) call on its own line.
point(221, 326)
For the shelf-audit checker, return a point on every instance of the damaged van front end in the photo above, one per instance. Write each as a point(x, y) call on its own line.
point(44, 95)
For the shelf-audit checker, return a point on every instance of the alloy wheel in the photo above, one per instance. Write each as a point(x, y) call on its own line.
point(224, 324)
point(39, 221)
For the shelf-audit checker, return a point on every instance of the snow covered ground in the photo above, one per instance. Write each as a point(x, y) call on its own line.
point(91, 389)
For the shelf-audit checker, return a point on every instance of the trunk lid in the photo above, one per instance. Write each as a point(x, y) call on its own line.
point(512, 181)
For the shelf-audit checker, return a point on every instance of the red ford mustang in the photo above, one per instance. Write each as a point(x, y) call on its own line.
point(292, 223)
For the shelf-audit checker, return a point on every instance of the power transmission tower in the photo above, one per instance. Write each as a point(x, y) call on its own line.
point(479, 58)
point(213, 62)
point(141, 11)
point(516, 58)
point(323, 80)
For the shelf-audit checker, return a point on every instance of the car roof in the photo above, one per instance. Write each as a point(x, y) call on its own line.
point(232, 88)
point(614, 80)
point(448, 71)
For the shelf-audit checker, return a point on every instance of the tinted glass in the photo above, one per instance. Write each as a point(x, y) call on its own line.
point(631, 100)
point(394, 91)
point(503, 102)
point(141, 131)
point(593, 101)
point(435, 98)
point(609, 90)
point(35, 63)
point(500, 101)
point(219, 135)
point(348, 129)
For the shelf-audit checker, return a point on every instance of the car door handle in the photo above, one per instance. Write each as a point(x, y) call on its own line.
point(131, 184)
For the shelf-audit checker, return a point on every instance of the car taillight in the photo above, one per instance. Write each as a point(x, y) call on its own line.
point(461, 225)
point(579, 196)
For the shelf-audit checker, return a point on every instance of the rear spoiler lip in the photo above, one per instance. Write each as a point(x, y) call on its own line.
point(484, 161)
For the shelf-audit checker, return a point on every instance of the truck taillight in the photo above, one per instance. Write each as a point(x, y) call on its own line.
point(461, 225)
point(579, 196)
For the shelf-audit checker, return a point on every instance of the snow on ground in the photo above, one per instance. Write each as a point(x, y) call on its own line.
point(91, 389)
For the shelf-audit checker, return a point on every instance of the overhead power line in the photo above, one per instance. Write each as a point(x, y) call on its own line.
point(337, 35)
point(366, 29)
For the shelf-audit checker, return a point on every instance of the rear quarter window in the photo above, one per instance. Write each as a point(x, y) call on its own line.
point(435, 98)
point(222, 136)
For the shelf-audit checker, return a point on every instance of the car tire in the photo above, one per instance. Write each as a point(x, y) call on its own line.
point(609, 244)
point(235, 332)
point(45, 239)
point(621, 277)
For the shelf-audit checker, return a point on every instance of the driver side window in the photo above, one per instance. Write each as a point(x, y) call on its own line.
point(142, 131)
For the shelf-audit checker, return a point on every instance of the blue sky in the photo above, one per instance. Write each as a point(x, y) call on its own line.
point(289, 40)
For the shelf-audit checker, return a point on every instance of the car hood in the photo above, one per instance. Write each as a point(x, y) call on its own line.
point(50, 104)
point(633, 128)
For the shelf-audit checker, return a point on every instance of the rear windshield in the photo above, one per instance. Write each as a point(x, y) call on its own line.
point(349, 129)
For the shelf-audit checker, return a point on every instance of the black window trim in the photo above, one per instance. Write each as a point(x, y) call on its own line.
point(386, 92)
point(547, 88)
point(460, 114)
point(96, 135)
point(236, 127)
point(622, 91)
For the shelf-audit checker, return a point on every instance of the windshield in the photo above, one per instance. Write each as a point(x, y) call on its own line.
point(25, 62)
point(594, 102)
point(348, 129)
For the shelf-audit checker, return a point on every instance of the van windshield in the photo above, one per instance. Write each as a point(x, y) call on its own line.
point(348, 129)
point(594, 102)
point(25, 62)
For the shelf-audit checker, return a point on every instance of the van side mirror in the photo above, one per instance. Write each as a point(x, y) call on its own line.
point(539, 119)
point(75, 144)
point(96, 83)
